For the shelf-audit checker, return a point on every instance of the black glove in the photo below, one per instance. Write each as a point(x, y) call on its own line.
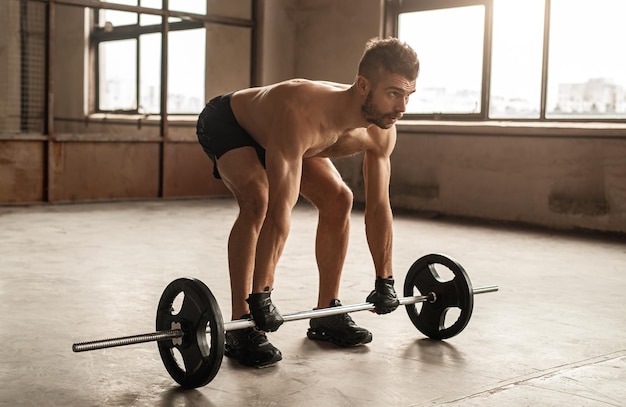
point(264, 313)
point(384, 296)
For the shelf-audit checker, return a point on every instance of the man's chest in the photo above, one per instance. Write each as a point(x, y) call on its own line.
point(345, 144)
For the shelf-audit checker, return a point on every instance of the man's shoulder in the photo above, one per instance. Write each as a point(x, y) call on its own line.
point(381, 141)
point(333, 85)
point(303, 95)
point(309, 85)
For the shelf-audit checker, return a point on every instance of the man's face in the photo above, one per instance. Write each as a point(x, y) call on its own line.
point(386, 100)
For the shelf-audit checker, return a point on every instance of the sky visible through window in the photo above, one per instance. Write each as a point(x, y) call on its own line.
point(449, 44)
point(186, 63)
point(587, 58)
point(586, 67)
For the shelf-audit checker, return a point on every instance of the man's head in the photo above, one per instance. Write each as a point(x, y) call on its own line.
point(386, 77)
point(388, 56)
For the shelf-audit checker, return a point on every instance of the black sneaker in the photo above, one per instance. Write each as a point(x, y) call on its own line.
point(339, 329)
point(250, 347)
point(265, 314)
point(384, 296)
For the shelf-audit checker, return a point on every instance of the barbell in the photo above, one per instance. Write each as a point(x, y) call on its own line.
point(196, 330)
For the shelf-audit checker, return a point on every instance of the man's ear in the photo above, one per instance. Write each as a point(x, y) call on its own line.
point(363, 85)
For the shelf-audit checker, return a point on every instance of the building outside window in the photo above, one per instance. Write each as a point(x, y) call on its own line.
point(128, 54)
point(517, 59)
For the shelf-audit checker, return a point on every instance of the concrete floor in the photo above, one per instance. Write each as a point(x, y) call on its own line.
point(553, 335)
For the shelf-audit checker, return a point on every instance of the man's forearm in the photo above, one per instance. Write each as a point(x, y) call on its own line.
point(270, 246)
point(379, 231)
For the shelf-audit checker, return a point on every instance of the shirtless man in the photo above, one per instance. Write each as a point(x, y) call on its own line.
point(269, 145)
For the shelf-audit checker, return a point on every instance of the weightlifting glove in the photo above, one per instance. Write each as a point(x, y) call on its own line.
point(264, 313)
point(384, 296)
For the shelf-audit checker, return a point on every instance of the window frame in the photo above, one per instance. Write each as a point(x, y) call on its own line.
point(129, 32)
point(395, 7)
point(98, 35)
point(405, 6)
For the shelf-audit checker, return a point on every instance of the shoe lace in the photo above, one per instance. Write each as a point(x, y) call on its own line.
point(257, 337)
point(344, 319)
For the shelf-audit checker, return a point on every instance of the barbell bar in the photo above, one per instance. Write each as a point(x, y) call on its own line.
point(246, 323)
point(196, 330)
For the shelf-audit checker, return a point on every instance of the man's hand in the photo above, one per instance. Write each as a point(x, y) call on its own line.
point(384, 296)
point(264, 313)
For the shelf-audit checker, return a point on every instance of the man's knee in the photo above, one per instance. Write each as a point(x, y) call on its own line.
point(346, 199)
point(253, 201)
point(340, 204)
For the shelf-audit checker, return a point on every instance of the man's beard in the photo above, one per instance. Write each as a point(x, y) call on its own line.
point(372, 115)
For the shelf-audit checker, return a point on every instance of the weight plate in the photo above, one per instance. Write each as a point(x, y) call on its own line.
point(201, 357)
point(446, 295)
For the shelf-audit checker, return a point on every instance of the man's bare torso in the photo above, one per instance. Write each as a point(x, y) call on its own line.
point(302, 111)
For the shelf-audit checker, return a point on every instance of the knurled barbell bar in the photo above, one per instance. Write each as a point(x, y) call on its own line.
point(199, 318)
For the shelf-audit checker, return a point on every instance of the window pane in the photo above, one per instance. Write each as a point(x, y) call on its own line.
point(449, 43)
point(196, 7)
point(587, 65)
point(118, 75)
point(158, 4)
point(186, 66)
point(516, 58)
point(118, 18)
point(150, 19)
point(150, 73)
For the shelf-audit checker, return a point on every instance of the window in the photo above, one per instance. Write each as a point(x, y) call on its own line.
point(517, 59)
point(587, 65)
point(128, 53)
point(451, 68)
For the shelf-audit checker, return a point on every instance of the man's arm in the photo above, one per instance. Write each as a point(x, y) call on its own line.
point(283, 160)
point(284, 172)
point(378, 215)
point(379, 219)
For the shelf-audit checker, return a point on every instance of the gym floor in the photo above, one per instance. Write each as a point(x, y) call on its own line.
point(553, 335)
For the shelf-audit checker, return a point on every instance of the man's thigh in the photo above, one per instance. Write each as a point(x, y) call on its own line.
point(242, 172)
point(320, 180)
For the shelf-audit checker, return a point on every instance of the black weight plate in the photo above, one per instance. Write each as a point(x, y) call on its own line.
point(455, 293)
point(201, 359)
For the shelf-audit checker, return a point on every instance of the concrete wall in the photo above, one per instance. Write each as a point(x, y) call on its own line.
point(314, 39)
point(102, 157)
point(559, 176)
point(22, 171)
point(562, 182)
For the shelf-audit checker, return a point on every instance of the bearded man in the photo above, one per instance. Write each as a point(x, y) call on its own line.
point(273, 143)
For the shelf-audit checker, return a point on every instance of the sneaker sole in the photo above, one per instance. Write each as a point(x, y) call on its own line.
point(233, 354)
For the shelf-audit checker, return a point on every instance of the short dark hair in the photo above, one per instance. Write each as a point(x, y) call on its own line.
point(389, 55)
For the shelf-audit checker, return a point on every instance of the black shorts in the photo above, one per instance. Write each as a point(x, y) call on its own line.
point(218, 131)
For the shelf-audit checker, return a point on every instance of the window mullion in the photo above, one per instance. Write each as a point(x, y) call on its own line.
point(544, 62)
point(165, 27)
point(486, 85)
point(138, 72)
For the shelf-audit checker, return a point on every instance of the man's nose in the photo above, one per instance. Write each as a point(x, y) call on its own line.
point(401, 105)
